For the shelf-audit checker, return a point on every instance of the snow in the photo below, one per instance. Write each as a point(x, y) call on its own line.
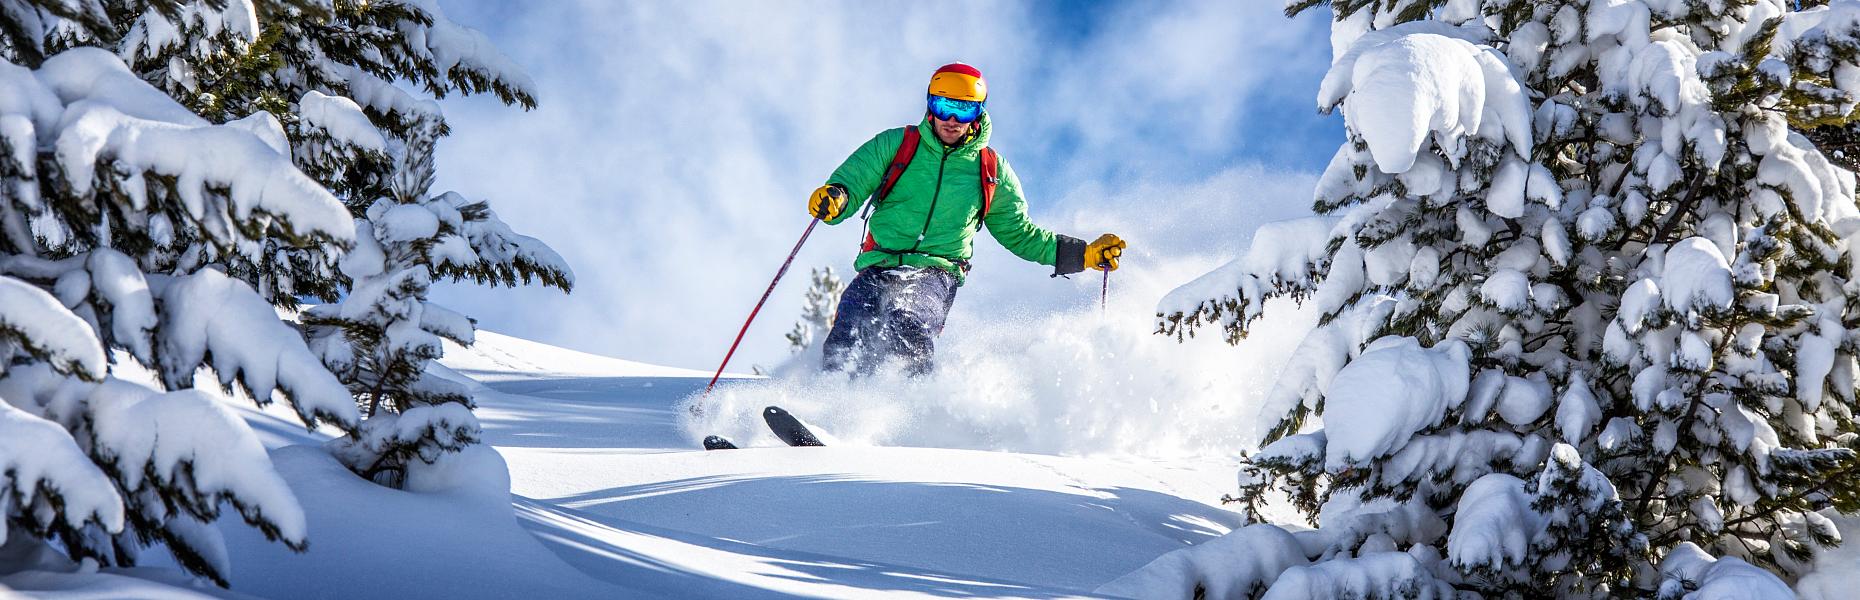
point(1691, 568)
point(89, 73)
point(1556, 242)
point(1507, 289)
point(401, 223)
point(154, 437)
point(1078, 384)
point(64, 338)
point(1371, 575)
point(1814, 359)
point(1577, 413)
point(1637, 305)
point(342, 119)
point(37, 454)
point(1695, 277)
point(1394, 389)
point(432, 550)
point(453, 47)
point(153, 33)
point(1388, 265)
point(132, 308)
point(79, 584)
point(1404, 89)
point(1282, 253)
point(1235, 566)
point(111, 113)
point(1505, 196)
point(1524, 400)
point(1408, 82)
point(492, 241)
point(607, 495)
point(1832, 574)
point(1494, 524)
point(210, 313)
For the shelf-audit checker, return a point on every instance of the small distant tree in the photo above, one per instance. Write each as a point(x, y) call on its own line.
point(823, 301)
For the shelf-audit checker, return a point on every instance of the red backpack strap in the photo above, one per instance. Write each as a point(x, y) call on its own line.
point(907, 149)
point(991, 167)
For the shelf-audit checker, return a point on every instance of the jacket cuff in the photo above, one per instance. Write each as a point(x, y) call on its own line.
point(1069, 257)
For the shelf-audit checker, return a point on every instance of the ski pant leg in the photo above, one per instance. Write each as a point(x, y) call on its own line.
point(914, 313)
point(849, 341)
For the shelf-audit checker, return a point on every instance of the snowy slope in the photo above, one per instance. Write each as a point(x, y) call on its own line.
point(611, 497)
point(610, 448)
point(497, 356)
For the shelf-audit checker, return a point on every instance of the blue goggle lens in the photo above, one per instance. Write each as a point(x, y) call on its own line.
point(962, 111)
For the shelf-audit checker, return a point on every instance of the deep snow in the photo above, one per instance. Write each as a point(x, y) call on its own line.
point(610, 495)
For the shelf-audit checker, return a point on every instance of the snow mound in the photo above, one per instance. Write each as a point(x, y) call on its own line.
point(1494, 523)
point(1371, 575)
point(62, 336)
point(1393, 390)
point(1406, 84)
point(469, 543)
point(1688, 567)
point(1695, 276)
point(1237, 565)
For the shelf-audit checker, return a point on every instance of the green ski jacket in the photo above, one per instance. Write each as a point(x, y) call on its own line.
point(929, 220)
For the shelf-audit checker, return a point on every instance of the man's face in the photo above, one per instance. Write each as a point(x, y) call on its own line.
point(949, 131)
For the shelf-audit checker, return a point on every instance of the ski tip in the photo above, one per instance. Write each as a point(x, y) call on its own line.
point(774, 410)
point(717, 442)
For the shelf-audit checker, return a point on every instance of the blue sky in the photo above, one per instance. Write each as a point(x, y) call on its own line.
point(676, 142)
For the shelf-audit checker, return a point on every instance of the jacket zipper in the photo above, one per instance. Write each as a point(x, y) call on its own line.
point(934, 195)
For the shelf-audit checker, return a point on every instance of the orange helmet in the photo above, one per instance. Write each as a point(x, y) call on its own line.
point(958, 81)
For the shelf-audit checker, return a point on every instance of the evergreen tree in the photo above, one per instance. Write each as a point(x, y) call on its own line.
point(381, 337)
point(324, 72)
point(112, 198)
point(823, 301)
point(157, 196)
point(1614, 282)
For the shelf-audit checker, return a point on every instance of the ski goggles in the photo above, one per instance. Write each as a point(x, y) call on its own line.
point(960, 111)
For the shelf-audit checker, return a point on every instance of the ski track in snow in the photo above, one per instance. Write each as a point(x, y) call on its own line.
point(612, 496)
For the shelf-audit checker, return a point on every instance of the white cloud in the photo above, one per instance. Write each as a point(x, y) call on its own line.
point(676, 141)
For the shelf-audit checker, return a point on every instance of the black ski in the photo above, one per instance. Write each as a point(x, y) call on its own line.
point(716, 442)
point(788, 428)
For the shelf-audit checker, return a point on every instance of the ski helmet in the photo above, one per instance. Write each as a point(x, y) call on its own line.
point(958, 81)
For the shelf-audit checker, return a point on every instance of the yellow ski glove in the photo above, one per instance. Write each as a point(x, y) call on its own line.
point(827, 202)
point(1103, 253)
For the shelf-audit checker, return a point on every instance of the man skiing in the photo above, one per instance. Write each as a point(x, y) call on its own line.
point(928, 199)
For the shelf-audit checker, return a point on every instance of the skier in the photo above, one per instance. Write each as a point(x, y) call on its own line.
point(932, 186)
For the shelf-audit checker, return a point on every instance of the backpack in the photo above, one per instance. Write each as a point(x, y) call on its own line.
point(907, 149)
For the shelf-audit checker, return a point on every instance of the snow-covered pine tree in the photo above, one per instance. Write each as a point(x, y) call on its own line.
point(113, 199)
point(823, 301)
point(324, 71)
point(1589, 303)
point(164, 224)
point(380, 338)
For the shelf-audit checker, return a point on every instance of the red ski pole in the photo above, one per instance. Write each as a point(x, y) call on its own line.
point(1104, 289)
point(759, 303)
